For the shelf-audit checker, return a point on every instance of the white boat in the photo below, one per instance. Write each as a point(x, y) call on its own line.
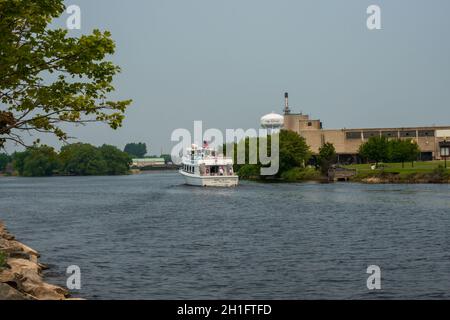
point(204, 167)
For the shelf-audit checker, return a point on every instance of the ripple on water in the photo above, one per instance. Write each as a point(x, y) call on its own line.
point(150, 236)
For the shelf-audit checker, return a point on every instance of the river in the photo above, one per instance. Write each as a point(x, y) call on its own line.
point(151, 237)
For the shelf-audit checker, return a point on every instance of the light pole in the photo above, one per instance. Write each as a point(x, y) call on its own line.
point(445, 150)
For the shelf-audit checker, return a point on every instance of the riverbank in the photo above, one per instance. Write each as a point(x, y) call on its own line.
point(399, 178)
point(21, 273)
point(417, 172)
point(432, 172)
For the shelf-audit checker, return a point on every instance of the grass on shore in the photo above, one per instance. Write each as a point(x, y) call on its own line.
point(417, 167)
point(431, 171)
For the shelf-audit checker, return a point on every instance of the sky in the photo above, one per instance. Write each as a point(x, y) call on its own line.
point(228, 63)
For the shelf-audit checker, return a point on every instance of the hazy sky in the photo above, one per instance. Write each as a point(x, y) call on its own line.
point(229, 62)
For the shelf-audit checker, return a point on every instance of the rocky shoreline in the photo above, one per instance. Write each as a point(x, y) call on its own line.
point(21, 273)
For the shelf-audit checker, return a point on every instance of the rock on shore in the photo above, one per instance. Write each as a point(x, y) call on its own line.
point(21, 277)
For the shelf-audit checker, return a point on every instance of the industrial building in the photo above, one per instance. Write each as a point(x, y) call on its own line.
point(348, 141)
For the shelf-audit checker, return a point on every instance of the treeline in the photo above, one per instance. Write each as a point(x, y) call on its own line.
point(382, 149)
point(297, 163)
point(79, 159)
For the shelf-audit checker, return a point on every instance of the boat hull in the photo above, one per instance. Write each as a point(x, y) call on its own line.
point(210, 181)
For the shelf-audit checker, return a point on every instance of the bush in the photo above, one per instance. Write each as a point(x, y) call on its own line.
point(440, 174)
point(249, 171)
point(300, 174)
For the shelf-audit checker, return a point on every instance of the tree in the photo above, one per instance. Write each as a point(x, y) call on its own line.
point(19, 160)
point(48, 79)
point(294, 152)
point(248, 168)
point(82, 159)
point(375, 149)
point(136, 150)
point(326, 157)
point(40, 161)
point(4, 160)
point(36, 161)
point(117, 162)
point(403, 150)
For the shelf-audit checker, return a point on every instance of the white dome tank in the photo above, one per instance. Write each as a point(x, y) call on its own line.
point(272, 121)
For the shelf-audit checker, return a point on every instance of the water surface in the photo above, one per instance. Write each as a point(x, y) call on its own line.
point(151, 237)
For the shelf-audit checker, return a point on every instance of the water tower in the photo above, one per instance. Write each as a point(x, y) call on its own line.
point(273, 122)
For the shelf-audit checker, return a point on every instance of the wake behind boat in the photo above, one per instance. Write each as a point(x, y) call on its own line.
point(204, 167)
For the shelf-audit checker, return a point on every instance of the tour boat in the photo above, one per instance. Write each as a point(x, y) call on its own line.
point(204, 167)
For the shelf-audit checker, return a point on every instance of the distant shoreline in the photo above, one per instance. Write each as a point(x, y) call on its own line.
point(371, 177)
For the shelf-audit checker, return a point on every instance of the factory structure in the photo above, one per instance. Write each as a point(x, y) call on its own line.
point(348, 141)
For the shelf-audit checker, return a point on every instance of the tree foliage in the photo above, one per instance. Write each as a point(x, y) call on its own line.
point(19, 160)
point(136, 150)
point(403, 151)
point(76, 159)
point(117, 162)
point(85, 160)
point(293, 153)
point(82, 159)
point(326, 157)
point(396, 150)
point(36, 161)
point(4, 160)
point(48, 79)
point(375, 149)
point(42, 161)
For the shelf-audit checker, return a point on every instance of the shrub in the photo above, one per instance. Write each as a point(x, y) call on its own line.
point(300, 174)
point(249, 171)
point(440, 174)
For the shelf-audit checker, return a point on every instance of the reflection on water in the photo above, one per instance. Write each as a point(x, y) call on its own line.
point(151, 237)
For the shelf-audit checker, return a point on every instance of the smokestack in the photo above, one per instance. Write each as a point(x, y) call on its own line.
point(286, 103)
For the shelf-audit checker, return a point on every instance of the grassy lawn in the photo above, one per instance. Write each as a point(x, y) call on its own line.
point(419, 167)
